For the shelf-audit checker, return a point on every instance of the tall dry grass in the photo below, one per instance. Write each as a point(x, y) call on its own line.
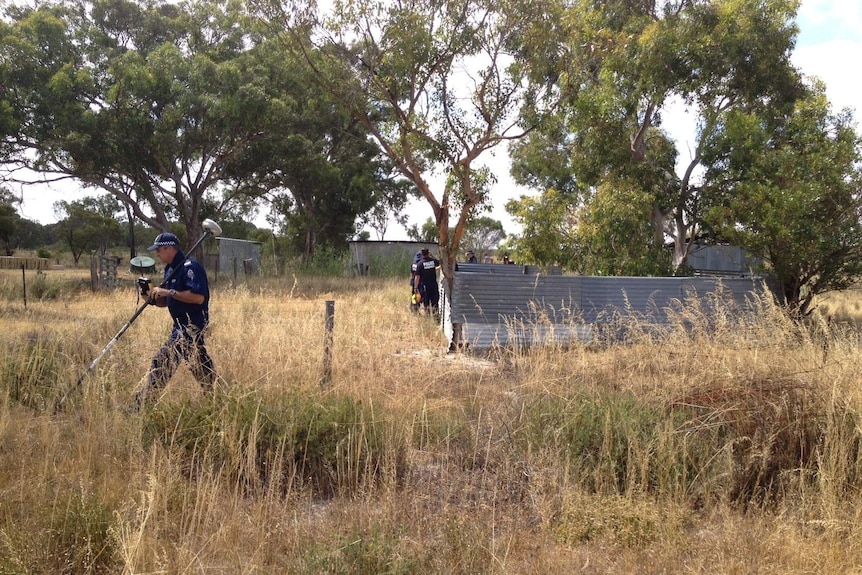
point(720, 443)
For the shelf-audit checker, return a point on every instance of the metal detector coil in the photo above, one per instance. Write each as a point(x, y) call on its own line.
point(142, 265)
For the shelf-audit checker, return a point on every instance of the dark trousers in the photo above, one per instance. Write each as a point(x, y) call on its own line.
point(430, 296)
point(185, 345)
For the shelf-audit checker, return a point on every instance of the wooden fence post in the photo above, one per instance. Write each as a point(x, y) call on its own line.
point(24, 284)
point(327, 343)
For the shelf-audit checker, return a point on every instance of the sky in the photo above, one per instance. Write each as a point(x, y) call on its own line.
point(829, 40)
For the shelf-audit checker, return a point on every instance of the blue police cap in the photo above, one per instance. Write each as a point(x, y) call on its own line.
point(164, 239)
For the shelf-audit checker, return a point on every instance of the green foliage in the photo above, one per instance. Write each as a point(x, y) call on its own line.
point(616, 234)
point(549, 224)
point(610, 440)
point(624, 64)
point(428, 233)
point(180, 113)
point(88, 226)
point(788, 190)
point(325, 172)
point(393, 266)
point(39, 287)
point(327, 262)
point(378, 552)
point(9, 219)
point(482, 234)
point(33, 235)
point(408, 89)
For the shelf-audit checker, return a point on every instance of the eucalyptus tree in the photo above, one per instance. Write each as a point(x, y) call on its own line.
point(549, 222)
point(177, 109)
point(437, 83)
point(483, 234)
point(86, 226)
point(790, 190)
point(145, 102)
point(626, 64)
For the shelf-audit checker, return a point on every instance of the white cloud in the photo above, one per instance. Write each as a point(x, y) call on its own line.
point(828, 61)
point(830, 38)
point(836, 18)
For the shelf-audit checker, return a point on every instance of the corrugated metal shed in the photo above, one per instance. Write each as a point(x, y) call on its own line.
point(722, 260)
point(505, 269)
point(237, 257)
point(510, 305)
point(365, 254)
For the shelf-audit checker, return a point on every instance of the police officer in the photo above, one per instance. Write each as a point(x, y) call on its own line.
point(414, 302)
point(186, 295)
point(425, 281)
point(471, 257)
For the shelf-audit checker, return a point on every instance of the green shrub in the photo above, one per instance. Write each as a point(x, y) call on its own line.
point(749, 444)
point(377, 552)
point(393, 266)
point(616, 444)
point(324, 262)
point(332, 445)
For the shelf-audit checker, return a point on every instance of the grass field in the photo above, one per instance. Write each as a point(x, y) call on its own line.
point(733, 446)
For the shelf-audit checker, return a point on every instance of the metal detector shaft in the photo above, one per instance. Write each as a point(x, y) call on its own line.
point(211, 227)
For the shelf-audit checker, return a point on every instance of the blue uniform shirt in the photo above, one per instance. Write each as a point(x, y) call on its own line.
point(190, 277)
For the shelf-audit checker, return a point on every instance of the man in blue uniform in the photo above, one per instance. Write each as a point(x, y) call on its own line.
point(186, 295)
point(425, 281)
point(414, 301)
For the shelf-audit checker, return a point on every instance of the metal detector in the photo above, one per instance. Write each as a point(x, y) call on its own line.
point(210, 227)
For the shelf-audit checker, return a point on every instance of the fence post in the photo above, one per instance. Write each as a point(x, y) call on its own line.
point(327, 343)
point(24, 283)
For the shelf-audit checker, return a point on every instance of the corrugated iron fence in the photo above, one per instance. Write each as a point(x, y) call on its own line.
point(505, 305)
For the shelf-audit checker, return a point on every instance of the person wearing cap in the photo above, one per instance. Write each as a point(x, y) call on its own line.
point(425, 281)
point(185, 292)
point(471, 257)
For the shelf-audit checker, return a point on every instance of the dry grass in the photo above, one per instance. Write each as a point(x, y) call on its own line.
point(727, 446)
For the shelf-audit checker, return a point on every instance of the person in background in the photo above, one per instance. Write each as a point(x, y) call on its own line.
point(425, 282)
point(506, 259)
point(471, 257)
point(187, 296)
point(414, 295)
